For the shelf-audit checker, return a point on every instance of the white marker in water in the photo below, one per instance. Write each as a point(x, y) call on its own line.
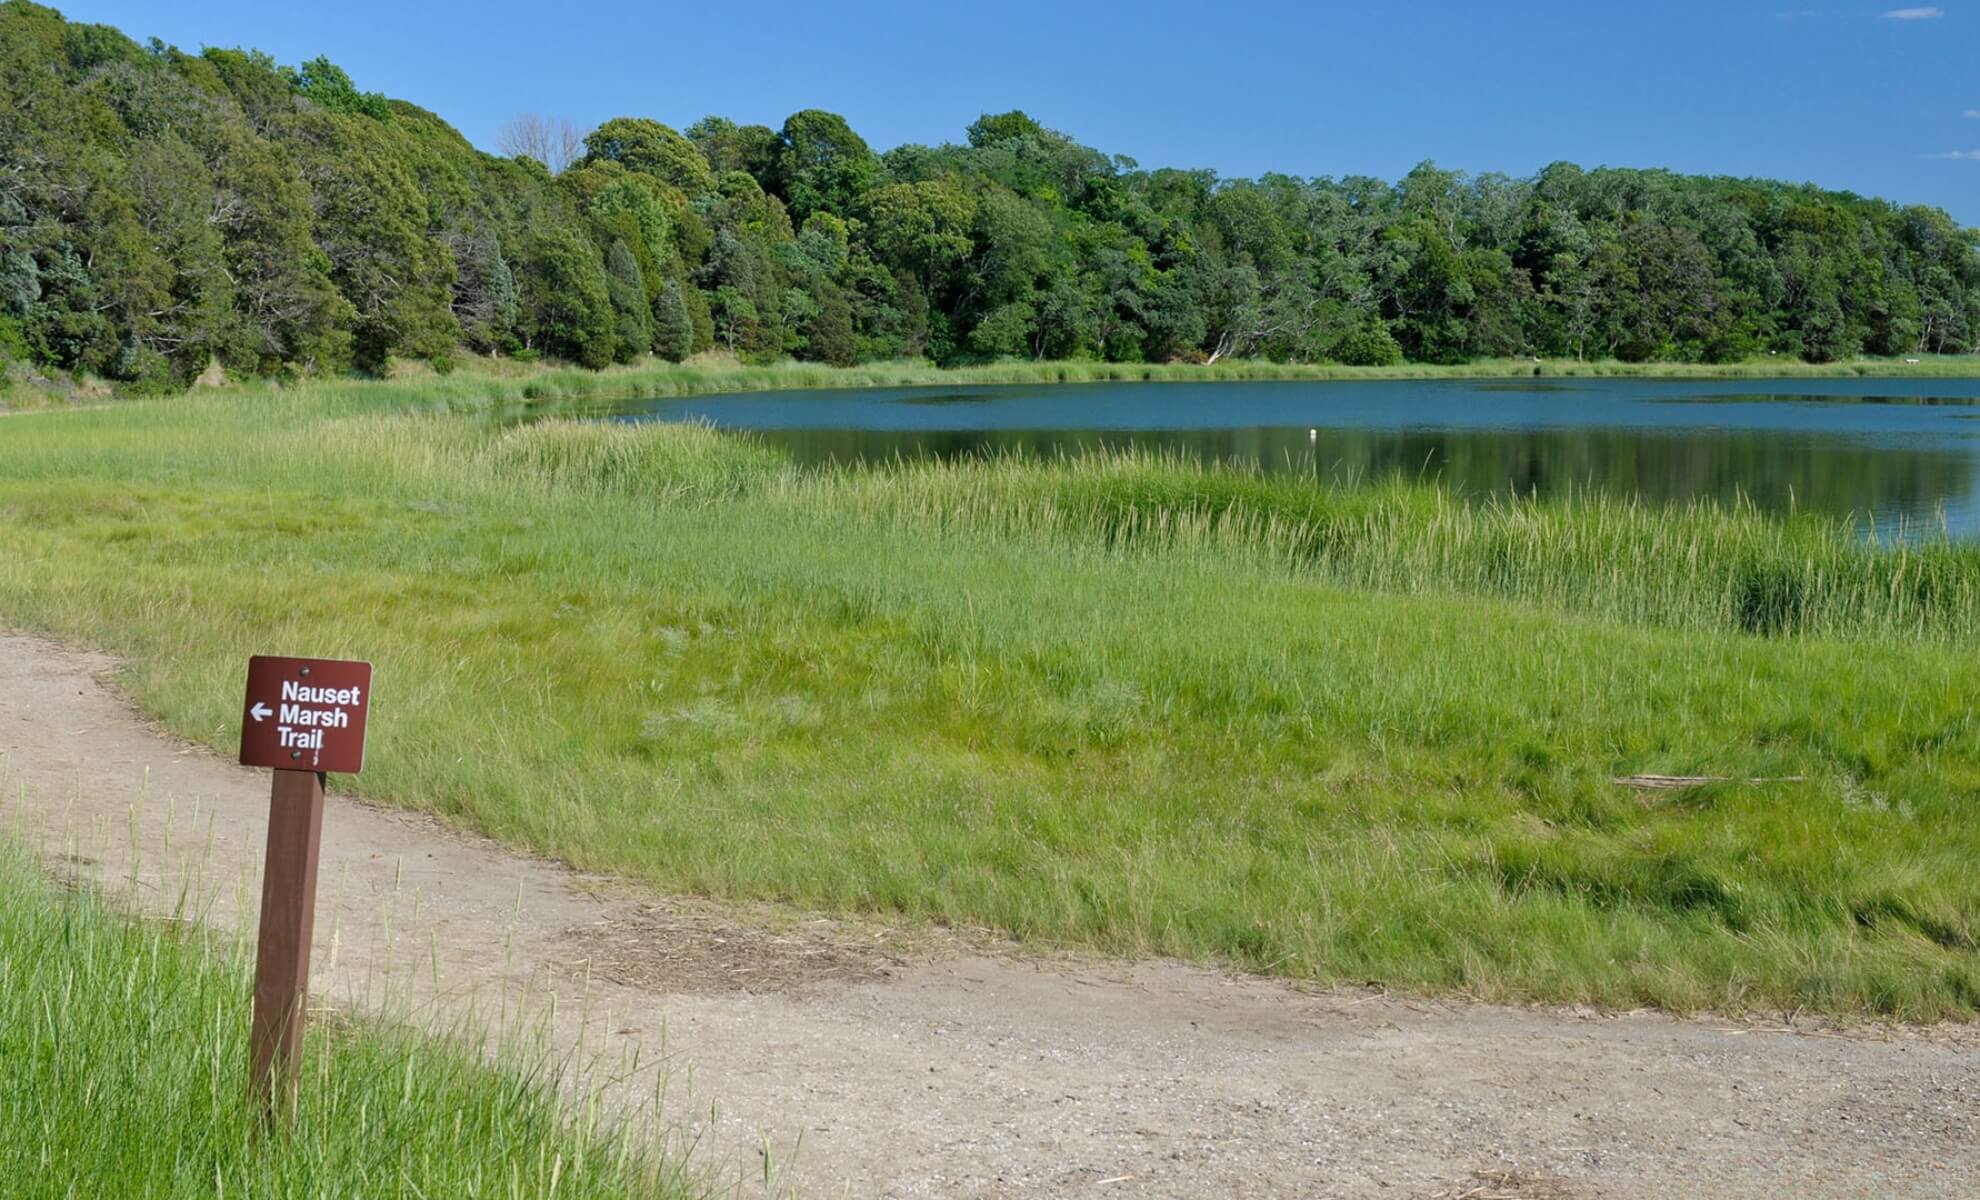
point(1313, 435)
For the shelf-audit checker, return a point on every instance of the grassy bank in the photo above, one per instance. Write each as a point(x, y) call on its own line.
point(481, 383)
point(126, 1063)
point(1365, 735)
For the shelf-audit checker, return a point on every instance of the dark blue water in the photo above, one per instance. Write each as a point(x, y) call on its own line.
point(1896, 453)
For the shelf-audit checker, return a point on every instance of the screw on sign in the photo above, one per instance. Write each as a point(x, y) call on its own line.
point(303, 717)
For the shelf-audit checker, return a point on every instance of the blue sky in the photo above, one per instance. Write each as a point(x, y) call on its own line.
point(1881, 99)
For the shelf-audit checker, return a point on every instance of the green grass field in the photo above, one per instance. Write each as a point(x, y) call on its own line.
point(1128, 704)
point(125, 1057)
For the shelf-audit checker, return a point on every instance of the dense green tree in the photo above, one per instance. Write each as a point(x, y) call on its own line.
point(631, 314)
point(990, 129)
point(650, 148)
point(827, 330)
point(1005, 331)
point(755, 150)
point(20, 283)
point(325, 84)
point(1038, 163)
point(160, 211)
point(822, 165)
point(673, 328)
point(370, 221)
point(922, 229)
point(566, 310)
point(1370, 345)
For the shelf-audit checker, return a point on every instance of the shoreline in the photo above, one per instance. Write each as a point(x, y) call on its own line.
point(480, 388)
point(480, 382)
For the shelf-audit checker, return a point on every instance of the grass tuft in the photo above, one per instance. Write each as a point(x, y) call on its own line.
point(125, 1046)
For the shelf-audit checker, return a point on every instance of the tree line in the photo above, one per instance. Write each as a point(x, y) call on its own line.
point(161, 211)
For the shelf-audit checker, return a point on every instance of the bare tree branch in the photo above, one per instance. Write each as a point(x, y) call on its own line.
point(552, 141)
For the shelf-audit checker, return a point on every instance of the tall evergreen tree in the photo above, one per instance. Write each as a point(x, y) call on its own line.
point(673, 328)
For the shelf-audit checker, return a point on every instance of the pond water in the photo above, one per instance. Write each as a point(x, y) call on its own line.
point(1897, 454)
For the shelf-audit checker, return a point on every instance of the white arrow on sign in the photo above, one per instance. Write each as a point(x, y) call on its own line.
point(259, 710)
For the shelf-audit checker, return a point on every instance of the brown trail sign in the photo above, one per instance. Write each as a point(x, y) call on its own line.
point(303, 717)
point(305, 714)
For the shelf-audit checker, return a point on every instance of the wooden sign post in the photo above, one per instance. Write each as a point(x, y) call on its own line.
point(303, 717)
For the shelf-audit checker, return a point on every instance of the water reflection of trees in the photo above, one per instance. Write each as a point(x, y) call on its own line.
point(1823, 473)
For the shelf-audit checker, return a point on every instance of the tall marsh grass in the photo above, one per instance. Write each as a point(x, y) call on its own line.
point(1695, 565)
point(123, 1046)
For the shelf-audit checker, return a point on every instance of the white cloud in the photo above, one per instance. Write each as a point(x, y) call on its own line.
point(1914, 14)
point(1972, 114)
point(1963, 155)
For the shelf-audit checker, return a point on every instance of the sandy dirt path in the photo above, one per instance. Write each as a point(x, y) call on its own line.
point(909, 1065)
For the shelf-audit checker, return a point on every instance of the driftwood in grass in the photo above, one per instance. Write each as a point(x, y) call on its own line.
point(1672, 783)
